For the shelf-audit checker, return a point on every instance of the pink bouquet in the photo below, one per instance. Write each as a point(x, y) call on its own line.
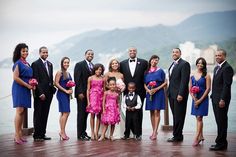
point(195, 90)
point(120, 85)
point(33, 82)
point(69, 85)
point(152, 84)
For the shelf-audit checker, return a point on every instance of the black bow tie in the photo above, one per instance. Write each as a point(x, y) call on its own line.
point(132, 60)
point(131, 94)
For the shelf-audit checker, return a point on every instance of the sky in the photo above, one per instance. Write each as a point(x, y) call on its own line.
point(47, 22)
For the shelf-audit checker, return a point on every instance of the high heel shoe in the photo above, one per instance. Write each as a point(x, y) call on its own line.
point(18, 141)
point(63, 138)
point(112, 138)
point(196, 143)
point(101, 139)
point(154, 137)
point(23, 139)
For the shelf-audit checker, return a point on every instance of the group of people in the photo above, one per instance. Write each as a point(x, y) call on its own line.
point(124, 86)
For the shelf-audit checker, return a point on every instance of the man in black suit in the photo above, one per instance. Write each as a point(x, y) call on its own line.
point(179, 73)
point(221, 95)
point(82, 72)
point(43, 72)
point(133, 70)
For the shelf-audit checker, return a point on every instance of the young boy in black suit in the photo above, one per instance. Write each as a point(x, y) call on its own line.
point(132, 103)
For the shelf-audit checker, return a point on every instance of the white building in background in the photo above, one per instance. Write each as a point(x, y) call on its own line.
point(189, 52)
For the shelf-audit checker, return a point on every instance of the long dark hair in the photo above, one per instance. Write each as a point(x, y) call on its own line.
point(204, 63)
point(149, 62)
point(17, 51)
point(96, 66)
point(65, 76)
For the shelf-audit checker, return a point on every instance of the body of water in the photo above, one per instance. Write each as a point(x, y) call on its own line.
point(7, 112)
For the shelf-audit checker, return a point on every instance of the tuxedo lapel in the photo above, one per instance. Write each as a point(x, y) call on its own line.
point(86, 67)
point(43, 67)
point(128, 72)
point(49, 69)
point(137, 67)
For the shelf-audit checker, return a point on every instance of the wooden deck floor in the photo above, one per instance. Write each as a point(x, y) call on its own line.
point(128, 148)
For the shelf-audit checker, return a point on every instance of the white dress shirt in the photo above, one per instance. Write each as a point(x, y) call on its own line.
point(173, 65)
point(132, 66)
point(139, 102)
point(45, 62)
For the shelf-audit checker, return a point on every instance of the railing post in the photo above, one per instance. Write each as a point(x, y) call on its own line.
point(166, 126)
point(26, 130)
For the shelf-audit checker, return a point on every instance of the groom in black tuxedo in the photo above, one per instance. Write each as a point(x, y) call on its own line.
point(179, 73)
point(133, 70)
point(82, 72)
point(43, 72)
point(221, 95)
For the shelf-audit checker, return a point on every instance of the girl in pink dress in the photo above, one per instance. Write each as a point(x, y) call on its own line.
point(96, 84)
point(110, 114)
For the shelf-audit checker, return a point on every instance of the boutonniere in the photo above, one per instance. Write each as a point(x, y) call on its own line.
point(138, 62)
point(49, 64)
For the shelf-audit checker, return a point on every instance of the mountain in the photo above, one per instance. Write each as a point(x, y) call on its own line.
point(200, 28)
point(216, 26)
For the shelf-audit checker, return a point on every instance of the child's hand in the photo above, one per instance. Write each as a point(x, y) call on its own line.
point(132, 109)
point(88, 105)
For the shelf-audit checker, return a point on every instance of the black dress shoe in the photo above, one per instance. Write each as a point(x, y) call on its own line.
point(83, 138)
point(86, 136)
point(47, 138)
point(138, 138)
point(218, 147)
point(174, 139)
point(125, 138)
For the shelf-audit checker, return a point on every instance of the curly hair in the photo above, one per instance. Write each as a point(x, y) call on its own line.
point(17, 51)
point(96, 66)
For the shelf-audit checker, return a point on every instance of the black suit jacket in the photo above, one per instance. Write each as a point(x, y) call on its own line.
point(81, 75)
point(221, 86)
point(138, 78)
point(45, 81)
point(179, 79)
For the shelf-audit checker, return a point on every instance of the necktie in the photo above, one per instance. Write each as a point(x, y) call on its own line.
point(217, 69)
point(132, 60)
point(46, 66)
point(90, 66)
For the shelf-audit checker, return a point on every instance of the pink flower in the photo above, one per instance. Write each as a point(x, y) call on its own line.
point(33, 82)
point(152, 84)
point(120, 85)
point(70, 84)
point(195, 89)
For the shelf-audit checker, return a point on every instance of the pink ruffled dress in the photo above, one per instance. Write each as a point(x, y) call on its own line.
point(112, 114)
point(95, 96)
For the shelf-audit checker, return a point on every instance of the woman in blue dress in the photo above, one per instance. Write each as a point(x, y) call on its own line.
point(21, 95)
point(155, 82)
point(200, 99)
point(63, 95)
